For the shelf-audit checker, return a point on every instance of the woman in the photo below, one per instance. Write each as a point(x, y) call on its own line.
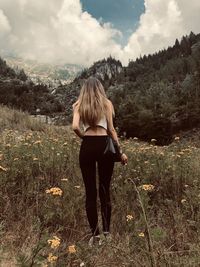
point(95, 112)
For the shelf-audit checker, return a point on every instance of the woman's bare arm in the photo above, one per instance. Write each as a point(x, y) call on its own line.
point(111, 128)
point(76, 121)
point(112, 131)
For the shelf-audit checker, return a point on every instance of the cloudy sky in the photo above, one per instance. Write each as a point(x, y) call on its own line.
point(83, 31)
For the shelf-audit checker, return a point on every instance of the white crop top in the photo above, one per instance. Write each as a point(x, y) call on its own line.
point(102, 123)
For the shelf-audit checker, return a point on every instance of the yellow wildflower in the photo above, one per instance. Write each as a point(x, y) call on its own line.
point(3, 169)
point(141, 234)
point(52, 258)
point(8, 145)
point(186, 150)
point(37, 142)
point(147, 187)
point(183, 200)
point(72, 249)
point(55, 242)
point(64, 179)
point(129, 217)
point(54, 191)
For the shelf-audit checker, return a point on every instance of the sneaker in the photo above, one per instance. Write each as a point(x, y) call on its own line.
point(108, 236)
point(106, 233)
point(102, 240)
point(93, 240)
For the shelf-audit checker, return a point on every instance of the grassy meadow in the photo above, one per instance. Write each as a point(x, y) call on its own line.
point(155, 201)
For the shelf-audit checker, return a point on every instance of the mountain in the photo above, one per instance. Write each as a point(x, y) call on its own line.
point(49, 74)
point(155, 97)
point(106, 70)
point(17, 90)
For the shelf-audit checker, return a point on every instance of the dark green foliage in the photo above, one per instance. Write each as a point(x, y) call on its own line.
point(158, 95)
point(6, 71)
point(105, 70)
point(155, 96)
point(19, 92)
point(22, 76)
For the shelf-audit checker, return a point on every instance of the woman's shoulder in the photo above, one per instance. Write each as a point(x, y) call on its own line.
point(109, 103)
point(110, 107)
point(75, 104)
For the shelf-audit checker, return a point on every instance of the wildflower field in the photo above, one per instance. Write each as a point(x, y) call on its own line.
point(155, 201)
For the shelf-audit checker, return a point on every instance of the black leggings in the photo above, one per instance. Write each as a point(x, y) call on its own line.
point(91, 152)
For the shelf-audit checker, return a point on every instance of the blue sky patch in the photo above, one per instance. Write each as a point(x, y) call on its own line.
point(123, 14)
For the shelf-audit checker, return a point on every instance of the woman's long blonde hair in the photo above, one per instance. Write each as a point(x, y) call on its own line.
point(92, 102)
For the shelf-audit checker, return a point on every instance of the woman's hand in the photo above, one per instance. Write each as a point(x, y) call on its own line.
point(124, 159)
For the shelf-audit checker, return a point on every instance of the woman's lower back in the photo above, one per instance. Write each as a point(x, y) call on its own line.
point(98, 130)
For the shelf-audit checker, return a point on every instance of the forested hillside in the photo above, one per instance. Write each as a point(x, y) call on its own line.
point(155, 96)
point(16, 90)
point(106, 70)
point(158, 95)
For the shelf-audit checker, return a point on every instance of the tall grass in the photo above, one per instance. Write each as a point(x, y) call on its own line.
point(155, 201)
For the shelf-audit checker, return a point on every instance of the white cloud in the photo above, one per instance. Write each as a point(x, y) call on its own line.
point(162, 22)
point(56, 32)
point(5, 29)
point(4, 24)
point(59, 31)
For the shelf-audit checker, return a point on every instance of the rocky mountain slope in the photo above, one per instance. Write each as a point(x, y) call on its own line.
point(49, 74)
point(106, 70)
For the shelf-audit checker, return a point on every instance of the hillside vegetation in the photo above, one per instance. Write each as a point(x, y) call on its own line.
point(155, 201)
point(158, 95)
point(18, 91)
point(155, 96)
